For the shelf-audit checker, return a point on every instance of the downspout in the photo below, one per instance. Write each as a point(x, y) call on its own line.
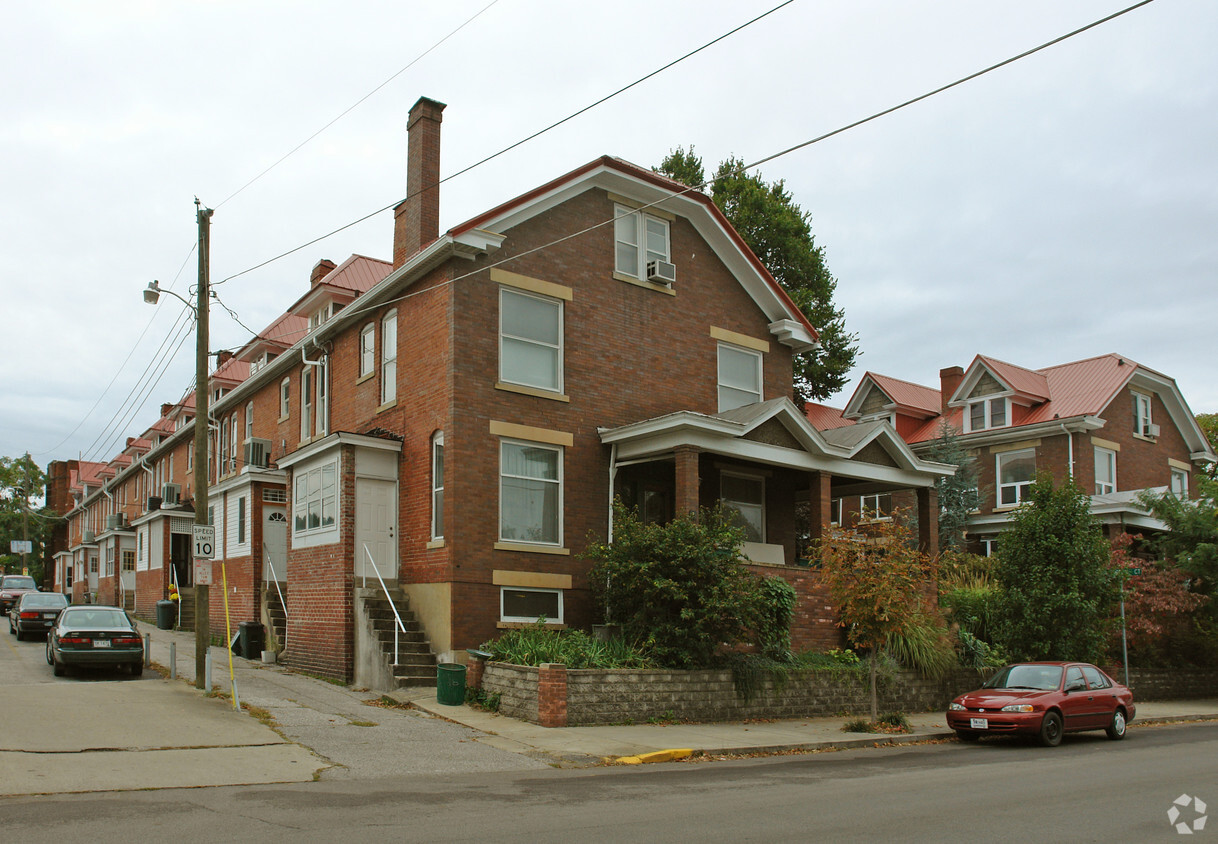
point(612, 481)
point(1069, 449)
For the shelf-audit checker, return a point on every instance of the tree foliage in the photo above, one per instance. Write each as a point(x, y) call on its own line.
point(1058, 591)
point(780, 233)
point(878, 582)
point(679, 589)
point(959, 494)
point(1208, 423)
point(22, 485)
point(1192, 536)
point(1157, 601)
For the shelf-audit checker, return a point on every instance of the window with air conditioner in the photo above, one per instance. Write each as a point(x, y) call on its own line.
point(641, 243)
point(1143, 425)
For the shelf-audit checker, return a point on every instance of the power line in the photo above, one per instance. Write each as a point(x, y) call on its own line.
point(510, 147)
point(358, 103)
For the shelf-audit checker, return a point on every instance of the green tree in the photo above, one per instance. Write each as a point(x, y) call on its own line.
point(878, 582)
point(1209, 426)
point(780, 233)
point(22, 485)
point(959, 495)
point(1192, 531)
point(1058, 591)
point(679, 589)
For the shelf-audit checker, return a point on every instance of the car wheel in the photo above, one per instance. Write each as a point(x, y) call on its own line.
point(50, 659)
point(18, 633)
point(137, 668)
point(58, 669)
point(963, 736)
point(1051, 730)
point(1116, 730)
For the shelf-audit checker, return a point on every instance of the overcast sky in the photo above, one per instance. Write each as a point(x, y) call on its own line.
point(1062, 207)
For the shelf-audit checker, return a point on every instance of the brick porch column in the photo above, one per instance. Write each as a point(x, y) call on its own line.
point(552, 695)
point(820, 505)
point(928, 519)
point(687, 499)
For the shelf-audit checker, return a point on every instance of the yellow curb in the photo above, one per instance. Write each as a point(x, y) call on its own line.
point(656, 756)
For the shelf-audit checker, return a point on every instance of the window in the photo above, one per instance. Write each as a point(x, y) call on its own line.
point(389, 357)
point(835, 513)
point(437, 486)
point(989, 546)
point(316, 497)
point(1095, 679)
point(739, 377)
point(285, 392)
point(530, 340)
point(530, 493)
point(274, 495)
point(249, 420)
point(638, 238)
point(1105, 471)
point(1179, 483)
point(234, 433)
point(367, 350)
point(241, 520)
point(988, 413)
point(875, 507)
point(306, 403)
point(128, 561)
point(1016, 472)
point(109, 561)
point(223, 451)
point(323, 405)
point(1142, 424)
point(529, 605)
point(744, 497)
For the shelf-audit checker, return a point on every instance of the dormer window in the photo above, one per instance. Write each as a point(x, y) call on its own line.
point(988, 413)
point(1142, 424)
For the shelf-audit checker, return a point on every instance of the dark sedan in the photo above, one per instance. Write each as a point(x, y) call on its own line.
point(35, 612)
point(89, 635)
point(1044, 700)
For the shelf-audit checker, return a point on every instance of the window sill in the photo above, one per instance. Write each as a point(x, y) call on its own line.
point(389, 405)
point(283, 419)
point(1004, 508)
point(435, 543)
point(1145, 439)
point(521, 625)
point(646, 285)
point(532, 549)
point(532, 391)
point(364, 378)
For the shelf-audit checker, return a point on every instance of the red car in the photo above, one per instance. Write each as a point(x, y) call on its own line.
point(1045, 700)
point(12, 587)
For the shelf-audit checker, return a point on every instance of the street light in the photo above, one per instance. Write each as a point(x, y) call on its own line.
point(151, 295)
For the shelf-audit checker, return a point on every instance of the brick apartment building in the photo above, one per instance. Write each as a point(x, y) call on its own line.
point(1114, 425)
point(451, 427)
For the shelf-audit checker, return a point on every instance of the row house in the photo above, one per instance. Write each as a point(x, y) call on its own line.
point(443, 432)
point(1113, 425)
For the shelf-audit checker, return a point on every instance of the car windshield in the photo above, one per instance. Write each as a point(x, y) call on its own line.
point(43, 600)
point(95, 618)
point(1042, 677)
point(18, 582)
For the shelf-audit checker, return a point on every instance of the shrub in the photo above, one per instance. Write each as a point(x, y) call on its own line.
point(925, 644)
point(537, 644)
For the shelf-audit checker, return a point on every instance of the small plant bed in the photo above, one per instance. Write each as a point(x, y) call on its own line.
point(536, 645)
point(482, 699)
point(894, 723)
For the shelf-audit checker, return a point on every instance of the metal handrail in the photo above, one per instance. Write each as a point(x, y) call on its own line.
point(177, 587)
point(270, 561)
point(399, 625)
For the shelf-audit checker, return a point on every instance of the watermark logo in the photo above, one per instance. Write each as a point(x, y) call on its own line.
point(1179, 808)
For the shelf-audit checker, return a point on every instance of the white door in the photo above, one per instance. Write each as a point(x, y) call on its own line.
point(274, 544)
point(375, 529)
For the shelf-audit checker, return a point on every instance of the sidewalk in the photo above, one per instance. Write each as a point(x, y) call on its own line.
point(578, 746)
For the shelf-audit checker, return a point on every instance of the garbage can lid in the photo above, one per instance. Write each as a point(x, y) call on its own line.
point(481, 654)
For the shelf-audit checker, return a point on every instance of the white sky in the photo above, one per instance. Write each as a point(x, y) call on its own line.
point(1059, 208)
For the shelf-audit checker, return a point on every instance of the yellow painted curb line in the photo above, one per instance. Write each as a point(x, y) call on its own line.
point(656, 756)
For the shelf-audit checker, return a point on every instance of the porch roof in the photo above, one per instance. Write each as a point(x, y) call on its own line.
point(775, 433)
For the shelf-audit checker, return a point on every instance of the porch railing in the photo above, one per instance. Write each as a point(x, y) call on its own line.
point(270, 562)
point(398, 625)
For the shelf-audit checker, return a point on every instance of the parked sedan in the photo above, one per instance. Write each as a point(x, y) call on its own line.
point(1045, 700)
point(35, 612)
point(89, 635)
point(12, 587)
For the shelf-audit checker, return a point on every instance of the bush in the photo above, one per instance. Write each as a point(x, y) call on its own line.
point(681, 589)
point(925, 645)
point(537, 644)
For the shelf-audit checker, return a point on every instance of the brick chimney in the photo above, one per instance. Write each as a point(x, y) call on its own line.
point(320, 271)
point(222, 357)
point(416, 221)
point(165, 408)
point(949, 381)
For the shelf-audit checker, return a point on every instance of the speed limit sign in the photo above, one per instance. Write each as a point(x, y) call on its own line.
point(205, 542)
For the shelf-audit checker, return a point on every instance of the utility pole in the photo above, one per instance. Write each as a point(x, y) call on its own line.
point(201, 469)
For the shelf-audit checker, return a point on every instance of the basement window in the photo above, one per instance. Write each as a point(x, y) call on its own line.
point(530, 605)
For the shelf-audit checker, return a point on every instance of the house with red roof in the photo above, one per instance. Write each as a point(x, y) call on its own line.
point(1117, 427)
point(413, 457)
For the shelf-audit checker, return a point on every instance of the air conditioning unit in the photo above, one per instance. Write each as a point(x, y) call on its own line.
point(1152, 430)
point(171, 494)
point(258, 453)
point(116, 521)
point(87, 536)
point(662, 272)
point(154, 503)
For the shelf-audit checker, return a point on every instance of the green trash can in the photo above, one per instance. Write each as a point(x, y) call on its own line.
point(450, 683)
point(166, 614)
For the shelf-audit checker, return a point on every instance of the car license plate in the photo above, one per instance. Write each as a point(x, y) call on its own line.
point(105, 643)
point(979, 723)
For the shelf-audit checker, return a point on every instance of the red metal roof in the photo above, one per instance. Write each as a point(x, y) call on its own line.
point(1026, 382)
point(907, 393)
point(825, 418)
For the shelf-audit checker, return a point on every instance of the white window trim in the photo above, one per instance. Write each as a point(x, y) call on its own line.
point(306, 403)
point(1020, 486)
point(640, 219)
point(561, 481)
point(389, 358)
point(558, 350)
point(1182, 492)
point(987, 403)
point(285, 398)
point(869, 505)
point(1143, 415)
point(1112, 462)
point(302, 499)
point(437, 513)
point(515, 619)
point(746, 476)
point(720, 386)
point(367, 350)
